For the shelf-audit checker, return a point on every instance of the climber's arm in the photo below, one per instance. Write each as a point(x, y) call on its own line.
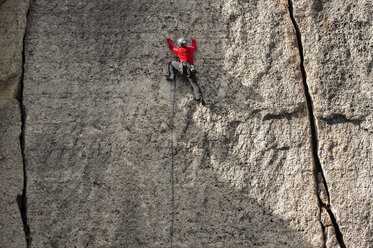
point(194, 43)
point(172, 47)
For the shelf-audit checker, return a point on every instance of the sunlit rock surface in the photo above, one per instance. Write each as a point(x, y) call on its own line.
point(338, 50)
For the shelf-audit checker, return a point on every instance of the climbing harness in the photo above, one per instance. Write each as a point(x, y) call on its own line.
point(186, 67)
point(172, 165)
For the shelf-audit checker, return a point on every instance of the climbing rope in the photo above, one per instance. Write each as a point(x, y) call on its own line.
point(172, 165)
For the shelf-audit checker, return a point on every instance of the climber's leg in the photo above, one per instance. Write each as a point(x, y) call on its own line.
point(172, 66)
point(193, 82)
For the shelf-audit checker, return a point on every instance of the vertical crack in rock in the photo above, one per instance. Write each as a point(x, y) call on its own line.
point(321, 185)
point(22, 199)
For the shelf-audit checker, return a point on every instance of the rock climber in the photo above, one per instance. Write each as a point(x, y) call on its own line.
point(185, 66)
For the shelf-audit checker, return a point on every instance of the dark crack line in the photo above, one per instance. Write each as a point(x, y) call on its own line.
point(340, 118)
point(314, 140)
point(288, 116)
point(22, 199)
point(338, 232)
point(1, 4)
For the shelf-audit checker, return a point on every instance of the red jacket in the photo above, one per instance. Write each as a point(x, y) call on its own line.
point(184, 53)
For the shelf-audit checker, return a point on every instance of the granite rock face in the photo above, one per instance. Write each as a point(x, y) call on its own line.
point(12, 30)
point(99, 124)
point(280, 156)
point(338, 53)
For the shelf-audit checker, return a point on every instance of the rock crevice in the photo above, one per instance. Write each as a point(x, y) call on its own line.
point(22, 199)
point(322, 191)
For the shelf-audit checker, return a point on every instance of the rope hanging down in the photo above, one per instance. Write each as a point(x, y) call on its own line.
point(172, 165)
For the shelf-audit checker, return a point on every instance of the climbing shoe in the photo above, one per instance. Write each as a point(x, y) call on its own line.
point(170, 78)
point(201, 101)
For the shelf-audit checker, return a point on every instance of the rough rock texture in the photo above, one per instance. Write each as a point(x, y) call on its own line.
point(338, 53)
point(98, 127)
point(2, 1)
point(279, 157)
point(12, 29)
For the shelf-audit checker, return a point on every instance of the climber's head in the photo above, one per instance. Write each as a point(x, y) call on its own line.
point(182, 42)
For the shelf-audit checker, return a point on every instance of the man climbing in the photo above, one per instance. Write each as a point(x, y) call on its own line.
point(185, 66)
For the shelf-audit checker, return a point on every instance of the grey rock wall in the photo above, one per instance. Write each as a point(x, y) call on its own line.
point(279, 157)
point(98, 127)
point(12, 30)
point(337, 39)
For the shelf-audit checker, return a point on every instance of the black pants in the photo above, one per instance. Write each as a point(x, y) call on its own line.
point(174, 65)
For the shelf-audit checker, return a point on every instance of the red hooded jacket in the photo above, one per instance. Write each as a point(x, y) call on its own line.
point(184, 53)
